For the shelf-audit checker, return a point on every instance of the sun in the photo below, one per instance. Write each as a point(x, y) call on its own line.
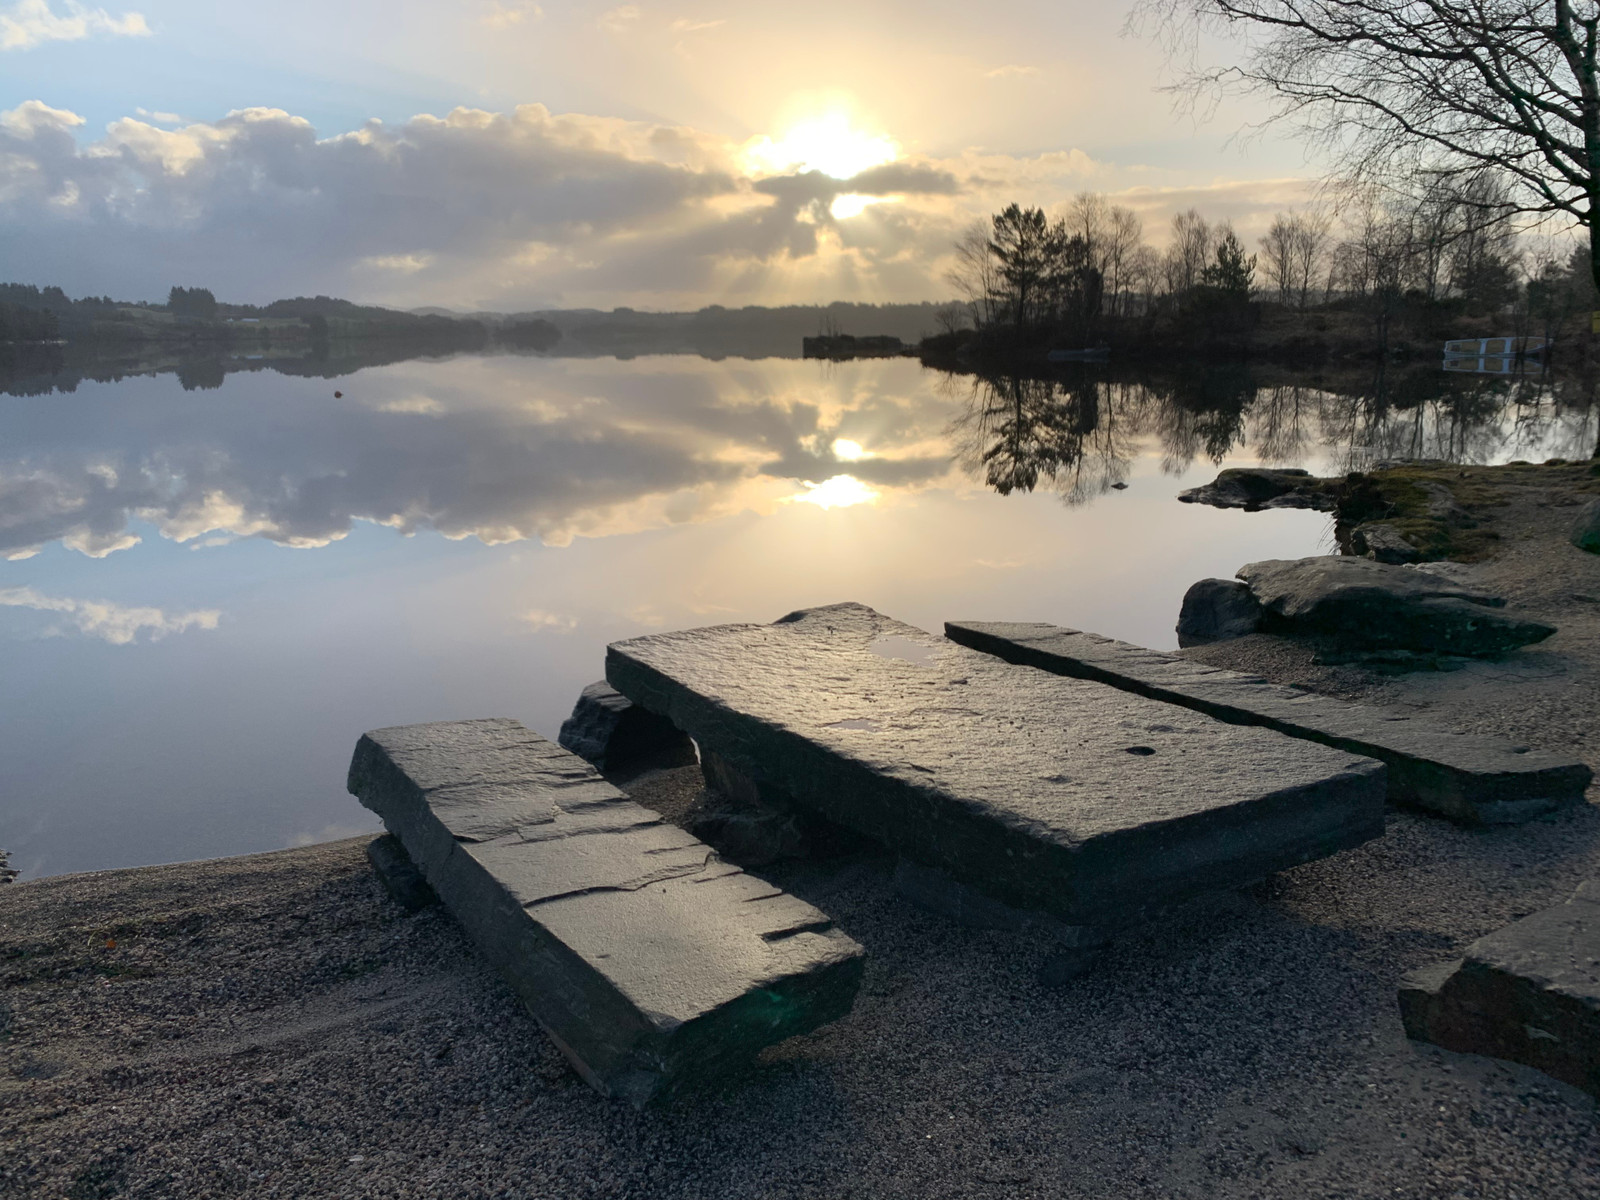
point(841, 491)
point(829, 143)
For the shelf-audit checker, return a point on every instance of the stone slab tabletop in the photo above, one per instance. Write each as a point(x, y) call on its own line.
point(1529, 993)
point(651, 963)
point(1472, 778)
point(1077, 799)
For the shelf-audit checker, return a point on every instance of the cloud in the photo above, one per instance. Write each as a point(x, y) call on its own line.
point(1010, 71)
point(29, 23)
point(685, 25)
point(620, 20)
point(114, 623)
point(514, 210)
point(505, 16)
point(549, 622)
point(593, 448)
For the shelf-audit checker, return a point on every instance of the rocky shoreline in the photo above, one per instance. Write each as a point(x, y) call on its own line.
point(276, 1025)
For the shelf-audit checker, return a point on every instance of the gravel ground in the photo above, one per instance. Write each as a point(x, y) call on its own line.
point(275, 1026)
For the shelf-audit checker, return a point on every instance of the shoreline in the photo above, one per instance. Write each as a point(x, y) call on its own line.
point(272, 1024)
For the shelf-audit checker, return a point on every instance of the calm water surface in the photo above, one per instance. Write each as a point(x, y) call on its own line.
point(207, 595)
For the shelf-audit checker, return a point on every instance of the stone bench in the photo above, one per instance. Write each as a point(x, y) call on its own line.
point(1059, 796)
point(1473, 778)
point(652, 964)
point(1529, 993)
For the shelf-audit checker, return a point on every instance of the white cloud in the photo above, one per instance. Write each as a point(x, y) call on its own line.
point(1010, 71)
point(28, 23)
point(549, 622)
point(686, 25)
point(504, 16)
point(622, 19)
point(115, 623)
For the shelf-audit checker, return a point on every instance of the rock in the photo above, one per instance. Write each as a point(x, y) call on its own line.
point(1474, 779)
point(1586, 529)
point(1441, 505)
point(653, 965)
point(8, 873)
point(1254, 488)
point(1368, 606)
point(1529, 993)
point(399, 875)
point(1215, 610)
point(746, 825)
point(1384, 543)
point(614, 734)
point(1070, 798)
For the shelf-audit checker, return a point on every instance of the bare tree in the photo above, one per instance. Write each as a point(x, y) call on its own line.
point(1309, 244)
point(1112, 235)
point(1291, 256)
point(1397, 89)
point(975, 273)
point(1277, 256)
point(1189, 253)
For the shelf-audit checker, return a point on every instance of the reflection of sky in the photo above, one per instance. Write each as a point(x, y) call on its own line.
point(216, 599)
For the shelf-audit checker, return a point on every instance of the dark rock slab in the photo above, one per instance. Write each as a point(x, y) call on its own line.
point(1471, 778)
point(1373, 605)
point(1072, 798)
point(1254, 488)
point(653, 965)
point(1215, 610)
point(617, 735)
point(1529, 993)
point(399, 875)
point(1585, 534)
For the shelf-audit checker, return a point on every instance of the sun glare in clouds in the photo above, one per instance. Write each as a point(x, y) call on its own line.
point(846, 450)
point(839, 492)
point(829, 143)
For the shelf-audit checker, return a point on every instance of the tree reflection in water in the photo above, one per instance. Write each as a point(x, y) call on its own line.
point(1078, 434)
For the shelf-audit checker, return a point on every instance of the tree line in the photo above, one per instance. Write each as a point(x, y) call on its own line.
point(1030, 275)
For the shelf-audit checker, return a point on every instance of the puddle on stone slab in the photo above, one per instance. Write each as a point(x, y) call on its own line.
point(854, 723)
point(895, 646)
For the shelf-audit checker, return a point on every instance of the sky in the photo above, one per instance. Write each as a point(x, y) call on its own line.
point(507, 155)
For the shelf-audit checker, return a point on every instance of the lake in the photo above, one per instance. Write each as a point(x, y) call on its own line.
point(212, 579)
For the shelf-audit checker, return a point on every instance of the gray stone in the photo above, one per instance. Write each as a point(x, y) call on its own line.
point(1474, 779)
point(1215, 610)
point(8, 873)
point(652, 964)
point(750, 826)
point(1383, 543)
point(1253, 488)
point(1367, 605)
point(1075, 799)
point(1585, 533)
point(616, 735)
point(399, 875)
point(1529, 993)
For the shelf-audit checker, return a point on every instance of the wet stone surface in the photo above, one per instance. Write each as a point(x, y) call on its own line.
point(1475, 779)
point(653, 965)
point(1073, 798)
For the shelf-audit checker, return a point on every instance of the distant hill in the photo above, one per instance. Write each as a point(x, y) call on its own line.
point(714, 331)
